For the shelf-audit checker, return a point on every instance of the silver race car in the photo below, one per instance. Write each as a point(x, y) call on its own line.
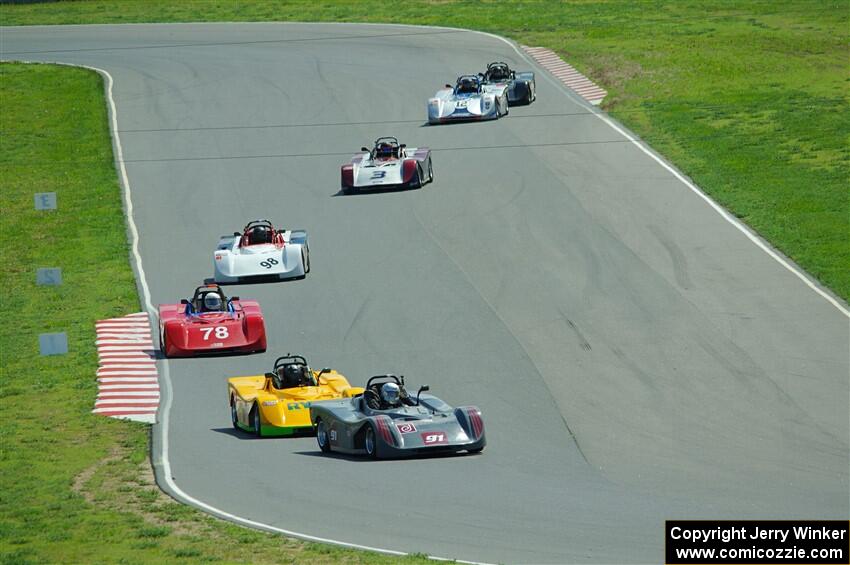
point(470, 99)
point(521, 86)
point(388, 164)
point(260, 253)
point(386, 422)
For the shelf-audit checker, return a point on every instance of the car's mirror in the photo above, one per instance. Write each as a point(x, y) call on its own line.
point(184, 301)
point(270, 375)
point(403, 145)
point(236, 234)
point(422, 389)
point(234, 298)
point(325, 370)
point(448, 85)
point(364, 149)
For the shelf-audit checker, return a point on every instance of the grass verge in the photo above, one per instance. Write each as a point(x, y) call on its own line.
point(75, 487)
point(747, 98)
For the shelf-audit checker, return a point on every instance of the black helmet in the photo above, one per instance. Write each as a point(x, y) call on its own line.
point(295, 374)
point(467, 85)
point(498, 72)
point(261, 234)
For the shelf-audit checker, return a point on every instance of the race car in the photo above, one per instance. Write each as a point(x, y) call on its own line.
point(388, 164)
point(261, 252)
point(385, 421)
point(469, 99)
point(521, 86)
point(277, 404)
point(211, 323)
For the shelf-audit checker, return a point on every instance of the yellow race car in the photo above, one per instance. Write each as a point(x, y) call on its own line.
point(278, 403)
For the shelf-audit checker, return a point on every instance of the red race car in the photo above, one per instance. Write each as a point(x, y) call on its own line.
point(211, 323)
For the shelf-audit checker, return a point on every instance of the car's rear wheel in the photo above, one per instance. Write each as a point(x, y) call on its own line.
point(322, 436)
point(163, 344)
point(255, 421)
point(370, 443)
point(475, 451)
point(430, 171)
point(233, 415)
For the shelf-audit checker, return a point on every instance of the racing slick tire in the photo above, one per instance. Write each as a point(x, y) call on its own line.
point(256, 424)
point(163, 344)
point(305, 258)
point(233, 417)
point(370, 442)
point(430, 171)
point(322, 437)
point(417, 180)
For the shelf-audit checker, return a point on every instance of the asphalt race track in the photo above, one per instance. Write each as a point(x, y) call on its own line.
point(636, 356)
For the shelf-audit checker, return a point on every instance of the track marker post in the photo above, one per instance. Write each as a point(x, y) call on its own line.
point(53, 343)
point(45, 200)
point(50, 276)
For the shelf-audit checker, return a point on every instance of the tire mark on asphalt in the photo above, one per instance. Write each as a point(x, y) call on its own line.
point(677, 257)
point(508, 329)
point(582, 341)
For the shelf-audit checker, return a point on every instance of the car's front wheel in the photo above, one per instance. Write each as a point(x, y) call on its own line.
point(233, 415)
point(322, 436)
point(370, 443)
point(305, 258)
point(255, 421)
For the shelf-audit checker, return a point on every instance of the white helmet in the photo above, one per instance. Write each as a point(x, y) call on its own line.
point(212, 302)
point(390, 393)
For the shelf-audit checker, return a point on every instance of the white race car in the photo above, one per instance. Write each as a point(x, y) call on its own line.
point(388, 165)
point(260, 253)
point(470, 99)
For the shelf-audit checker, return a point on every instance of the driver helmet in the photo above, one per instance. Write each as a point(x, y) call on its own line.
point(261, 234)
point(390, 393)
point(498, 72)
point(385, 150)
point(293, 374)
point(467, 85)
point(212, 302)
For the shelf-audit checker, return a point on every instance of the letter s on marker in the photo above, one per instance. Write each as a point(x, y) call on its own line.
point(673, 532)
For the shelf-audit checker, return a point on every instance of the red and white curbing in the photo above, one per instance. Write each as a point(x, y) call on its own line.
point(127, 382)
point(567, 74)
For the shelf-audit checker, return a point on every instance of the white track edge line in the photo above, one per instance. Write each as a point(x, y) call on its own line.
point(740, 226)
point(166, 408)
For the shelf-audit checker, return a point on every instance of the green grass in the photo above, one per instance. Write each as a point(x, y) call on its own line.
point(75, 487)
point(748, 98)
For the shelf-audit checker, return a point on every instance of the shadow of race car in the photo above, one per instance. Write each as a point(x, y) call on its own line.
point(521, 87)
point(211, 323)
point(278, 403)
point(422, 425)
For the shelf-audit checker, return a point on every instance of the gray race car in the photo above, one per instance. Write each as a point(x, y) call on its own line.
point(421, 425)
point(521, 86)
